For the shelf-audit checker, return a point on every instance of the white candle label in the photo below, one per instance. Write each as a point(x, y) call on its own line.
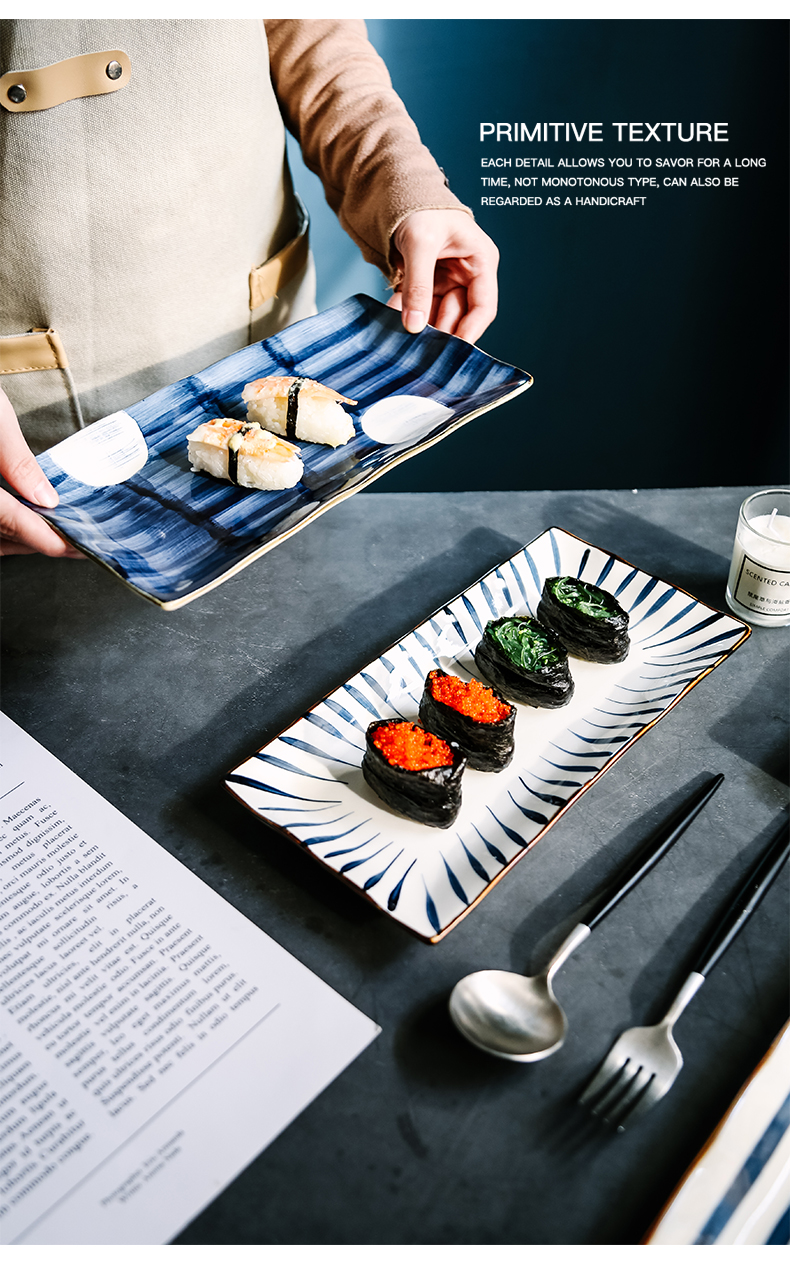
point(763, 589)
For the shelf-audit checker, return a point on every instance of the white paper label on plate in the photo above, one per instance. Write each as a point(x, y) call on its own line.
point(403, 418)
point(104, 453)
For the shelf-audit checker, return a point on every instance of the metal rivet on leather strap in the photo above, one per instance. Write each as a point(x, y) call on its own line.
point(114, 70)
point(17, 93)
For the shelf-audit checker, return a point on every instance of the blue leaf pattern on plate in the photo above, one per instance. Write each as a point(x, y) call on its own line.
point(441, 874)
point(171, 534)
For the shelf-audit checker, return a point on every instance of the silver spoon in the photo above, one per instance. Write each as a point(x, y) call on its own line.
point(517, 1016)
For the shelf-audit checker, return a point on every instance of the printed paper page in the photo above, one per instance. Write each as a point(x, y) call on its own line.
point(152, 1039)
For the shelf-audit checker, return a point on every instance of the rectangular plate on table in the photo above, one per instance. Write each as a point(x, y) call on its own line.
point(308, 783)
point(737, 1190)
point(128, 497)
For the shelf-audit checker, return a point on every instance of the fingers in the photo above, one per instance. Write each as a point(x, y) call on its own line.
point(449, 273)
point(451, 311)
point(24, 474)
point(419, 263)
point(17, 463)
point(396, 302)
point(482, 297)
point(10, 548)
point(23, 531)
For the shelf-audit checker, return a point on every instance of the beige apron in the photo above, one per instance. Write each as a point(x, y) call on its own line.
point(132, 219)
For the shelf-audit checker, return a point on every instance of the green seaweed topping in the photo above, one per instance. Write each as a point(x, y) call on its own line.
point(525, 642)
point(585, 597)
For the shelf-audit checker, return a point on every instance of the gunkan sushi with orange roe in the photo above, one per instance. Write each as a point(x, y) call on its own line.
point(413, 771)
point(475, 716)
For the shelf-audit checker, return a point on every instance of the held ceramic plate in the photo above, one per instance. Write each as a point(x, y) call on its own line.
point(308, 782)
point(129, 499)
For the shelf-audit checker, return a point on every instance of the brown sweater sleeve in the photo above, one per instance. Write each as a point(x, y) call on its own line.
point(337, 99)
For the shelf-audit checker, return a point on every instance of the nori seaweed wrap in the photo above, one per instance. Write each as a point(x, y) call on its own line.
point(475, 716)
point(415, 772)
point(588, 620)
point(526, 661)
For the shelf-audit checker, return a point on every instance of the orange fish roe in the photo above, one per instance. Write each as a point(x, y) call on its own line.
point(409, 746)
point(474, 699)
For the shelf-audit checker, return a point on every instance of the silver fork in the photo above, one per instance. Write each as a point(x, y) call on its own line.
point(644, 1062)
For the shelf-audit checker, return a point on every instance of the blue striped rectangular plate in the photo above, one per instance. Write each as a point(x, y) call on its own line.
point(308, 784)
point(737, 1191)
point(172, 534)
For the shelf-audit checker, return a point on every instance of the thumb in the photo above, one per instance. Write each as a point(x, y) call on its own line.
point(17, 463)
point(419, 263)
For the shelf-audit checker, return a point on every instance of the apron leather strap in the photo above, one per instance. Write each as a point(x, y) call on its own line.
point(85, 76)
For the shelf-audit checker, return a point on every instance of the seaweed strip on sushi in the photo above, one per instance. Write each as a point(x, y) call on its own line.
point(525, 660)
point(413, 771)
point(475, 716)
point(588, 620)
point(299, 409)
point(244, 454)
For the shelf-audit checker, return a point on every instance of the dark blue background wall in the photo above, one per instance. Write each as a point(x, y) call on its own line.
point(657, 335)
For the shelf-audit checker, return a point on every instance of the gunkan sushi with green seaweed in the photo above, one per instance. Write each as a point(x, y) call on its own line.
point(587, 619)
point(526, 661)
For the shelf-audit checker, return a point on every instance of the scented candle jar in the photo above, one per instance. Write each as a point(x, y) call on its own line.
point(758, 588)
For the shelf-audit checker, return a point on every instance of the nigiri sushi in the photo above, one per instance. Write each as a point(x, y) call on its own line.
point(588, 620)
point(244, 454)
point(526, 661)
point(299, 409)
point(415, 772)
point(472, 714)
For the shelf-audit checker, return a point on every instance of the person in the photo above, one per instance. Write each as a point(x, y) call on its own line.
point(164, 143)
point(22, 531)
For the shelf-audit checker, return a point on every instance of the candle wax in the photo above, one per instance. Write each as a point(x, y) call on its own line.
point(760, 572)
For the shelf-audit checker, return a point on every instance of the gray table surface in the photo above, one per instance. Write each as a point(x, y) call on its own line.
point(424, 1139)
